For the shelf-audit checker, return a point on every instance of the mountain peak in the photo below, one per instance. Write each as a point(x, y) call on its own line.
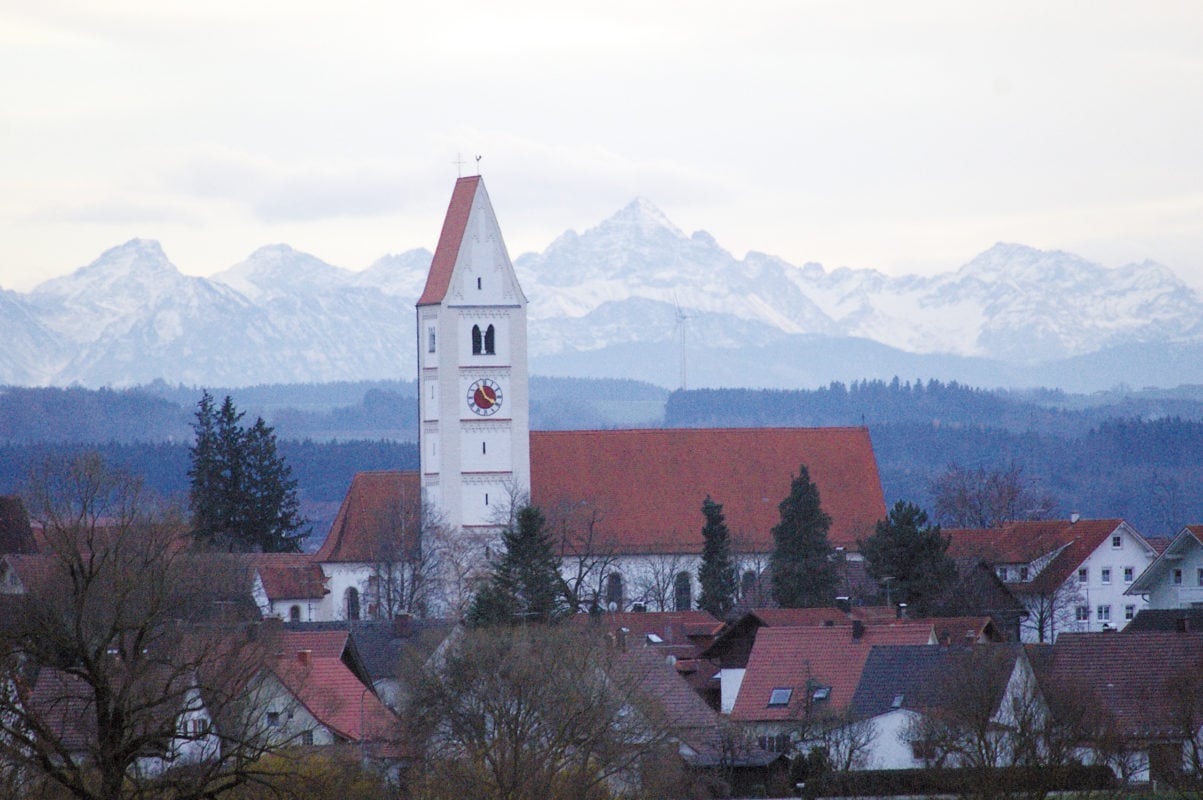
point(137, 259)
point(643, 215)
point(274, 267)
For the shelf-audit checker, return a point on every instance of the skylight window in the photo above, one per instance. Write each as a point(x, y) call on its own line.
point(821, 693)
point(897, 702)
point(654, 638)
point(780, 697)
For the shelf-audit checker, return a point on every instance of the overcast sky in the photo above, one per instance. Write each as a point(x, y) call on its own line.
point(903, 136)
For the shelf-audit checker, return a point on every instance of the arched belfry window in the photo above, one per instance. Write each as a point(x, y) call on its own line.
point(614, 592)
point(489, 340)
point(476, 340)
point(682, 592)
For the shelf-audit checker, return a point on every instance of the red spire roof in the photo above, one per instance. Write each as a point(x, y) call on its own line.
point(647, 486)
point(447, 252)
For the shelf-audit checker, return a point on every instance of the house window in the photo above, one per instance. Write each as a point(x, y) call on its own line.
point(1129, 574)
point(1023, 573)
point(1117, 541)
point(294, 614)
point(1129, 612)
point(1177, 577)
point(1106, 575)
point(1002, 573)
point(682, 592)
point(307, 737)
point(273, 719)
point(614, 591)
point(1083, 575)
point(774, 744)
point(780, 697)
point(1082, 613)
point(1104, 613)
point(430, 340)
point(351, 602)
point(1199, 575)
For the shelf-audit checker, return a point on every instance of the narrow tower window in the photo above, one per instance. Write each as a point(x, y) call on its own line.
point(430, 340)
point(484, 450)
point(489, 339)
point(486, 498)
point(476, 343)
point(478, 283)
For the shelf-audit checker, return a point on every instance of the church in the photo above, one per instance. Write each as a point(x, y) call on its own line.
point(625, 505)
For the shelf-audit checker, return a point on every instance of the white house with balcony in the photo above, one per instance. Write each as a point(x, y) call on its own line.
point(1175, 578)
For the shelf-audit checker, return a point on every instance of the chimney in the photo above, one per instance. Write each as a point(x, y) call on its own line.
point(945, 639)
point(305, 657)
point(843, 603)
point(1074, 516)
point(620, 638)
point(1183, 624)
point(901, 612)
point(858, 629)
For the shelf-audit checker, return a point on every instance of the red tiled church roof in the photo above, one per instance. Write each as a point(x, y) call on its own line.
point(648, 485)
point(447, 252)
point(373, 499)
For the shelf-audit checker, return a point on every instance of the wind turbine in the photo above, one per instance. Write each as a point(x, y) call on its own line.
point(681, 332)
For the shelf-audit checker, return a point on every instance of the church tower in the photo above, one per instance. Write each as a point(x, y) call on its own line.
point(474, 424)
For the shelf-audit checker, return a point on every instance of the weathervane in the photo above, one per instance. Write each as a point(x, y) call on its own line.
point(478, 166)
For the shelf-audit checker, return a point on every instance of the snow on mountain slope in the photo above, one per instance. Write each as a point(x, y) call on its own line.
point(633, 283)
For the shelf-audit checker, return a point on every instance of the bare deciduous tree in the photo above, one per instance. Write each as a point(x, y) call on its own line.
point(125, 675)
point(979, 498)
point(656, 582)
point(587, 553)
point(538, 712)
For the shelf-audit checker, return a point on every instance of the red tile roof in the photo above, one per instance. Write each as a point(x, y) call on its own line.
point(447, 252)
point(648, 485)
point(327, 687)
point(789, 657)
point(372, 504)
point(1024, 542)
point(290, 576)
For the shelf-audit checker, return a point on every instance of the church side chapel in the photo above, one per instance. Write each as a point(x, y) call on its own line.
point(625, 505)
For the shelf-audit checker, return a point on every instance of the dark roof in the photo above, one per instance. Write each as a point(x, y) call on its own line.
point(648, 485)
point(1129, 675)
point(920, 677)
point(378, 645)
point(16, 535)
point(1168, 620)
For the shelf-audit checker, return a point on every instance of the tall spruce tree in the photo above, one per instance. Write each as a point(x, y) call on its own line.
point(804, 574)
point(525, 585)
point(243, 496)
point(717, 571)
point(913, 553)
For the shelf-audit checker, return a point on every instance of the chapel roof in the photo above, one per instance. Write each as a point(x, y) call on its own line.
point(374, 504)
point(648, 485)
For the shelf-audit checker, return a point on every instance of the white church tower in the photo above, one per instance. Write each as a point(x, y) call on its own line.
point(474, 426)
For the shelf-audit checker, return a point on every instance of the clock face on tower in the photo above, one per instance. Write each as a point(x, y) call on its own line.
point(484, 397)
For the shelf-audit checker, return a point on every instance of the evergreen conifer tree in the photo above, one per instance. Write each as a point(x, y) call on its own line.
point(912, 552)
point(717, 571)
point(243, 496)
point(526, 585)
point(804, 574)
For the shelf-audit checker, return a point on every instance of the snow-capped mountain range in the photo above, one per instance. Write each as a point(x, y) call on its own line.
point(632, 297)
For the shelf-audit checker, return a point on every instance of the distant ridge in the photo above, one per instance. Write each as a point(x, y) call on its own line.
point(604, 303)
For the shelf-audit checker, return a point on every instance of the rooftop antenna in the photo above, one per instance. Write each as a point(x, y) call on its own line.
point(459, 165)
point(478, 166)
point(681, 330)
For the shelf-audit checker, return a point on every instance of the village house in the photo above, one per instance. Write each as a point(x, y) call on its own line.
point(1175, 578)
point(1071, 575)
